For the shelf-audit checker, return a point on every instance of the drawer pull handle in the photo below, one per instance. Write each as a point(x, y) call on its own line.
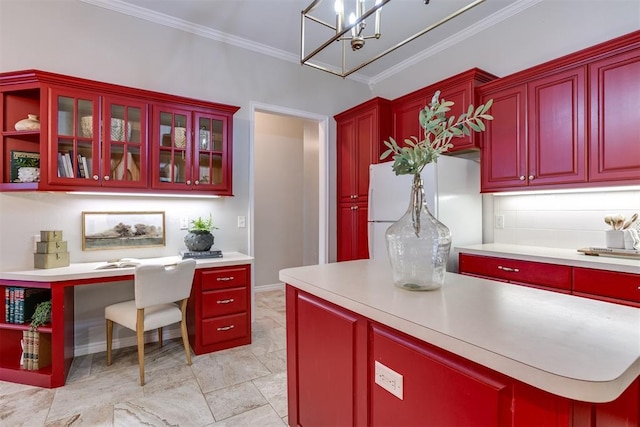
point(224, 279)
point(225, 301)
point(226, 328)
point(509, 269)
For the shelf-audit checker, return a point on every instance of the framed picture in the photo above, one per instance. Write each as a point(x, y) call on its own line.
point(117, 230)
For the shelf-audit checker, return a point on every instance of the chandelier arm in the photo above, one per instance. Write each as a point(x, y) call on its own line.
point(415, 36)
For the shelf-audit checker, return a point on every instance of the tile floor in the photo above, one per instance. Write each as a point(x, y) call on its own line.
point(244, 386)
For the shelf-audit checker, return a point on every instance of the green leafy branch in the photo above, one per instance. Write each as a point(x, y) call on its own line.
point(438, 133)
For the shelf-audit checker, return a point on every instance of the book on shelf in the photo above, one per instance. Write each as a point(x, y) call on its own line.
point(120, 263)
point(68, 165)
point(16, 159)
point(81, 171)
point(36, 350)
point(85, 166)
point(20, 303)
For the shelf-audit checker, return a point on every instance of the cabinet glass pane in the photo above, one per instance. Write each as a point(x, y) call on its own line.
point(217, 134)
point(74, 159)
point(87, 120)
point(124, 120)
point(216, 169)
point(65, 116)
point(173, 131)
point(124, 163)
point(172, 166)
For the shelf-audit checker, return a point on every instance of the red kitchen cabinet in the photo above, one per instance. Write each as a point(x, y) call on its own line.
point(219, 308)
point(331, 380)
point(612, 286)
point(326, 376)
point(459, 88)
point(614, 146)
point(537, 137)
point(360, 135)
point(527, 273)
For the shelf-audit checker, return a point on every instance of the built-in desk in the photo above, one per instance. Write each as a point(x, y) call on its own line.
point(61, 281)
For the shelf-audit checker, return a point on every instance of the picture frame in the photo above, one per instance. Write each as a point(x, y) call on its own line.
point(119, 230)
point(18, 156)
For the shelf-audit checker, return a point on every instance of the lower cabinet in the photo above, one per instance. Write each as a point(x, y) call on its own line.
point(612, 286)
point(534, 274)
point(344, 369)
point(219, 309)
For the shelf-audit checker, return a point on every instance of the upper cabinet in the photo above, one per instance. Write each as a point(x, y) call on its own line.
point(566, 123)
point(104, 137)
point(460, 89)
point(537, 136)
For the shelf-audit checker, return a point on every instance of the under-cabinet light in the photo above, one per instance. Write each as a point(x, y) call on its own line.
point(569, 191)
point(147, 195)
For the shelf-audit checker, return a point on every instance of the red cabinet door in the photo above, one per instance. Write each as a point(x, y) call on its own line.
point(614, 140)
point(352, 232)
point(439, 389)
point(326, 346)
point(406, 112)
point(504, 142)
point(557, 129)
point(607, 285)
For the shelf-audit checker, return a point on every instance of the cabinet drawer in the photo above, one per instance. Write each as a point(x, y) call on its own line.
point(611, 284)
point(528, 272)
point(224, 278)
point(226, 301)
point(224, 328)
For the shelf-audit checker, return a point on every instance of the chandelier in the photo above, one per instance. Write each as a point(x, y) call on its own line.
point(352, 32)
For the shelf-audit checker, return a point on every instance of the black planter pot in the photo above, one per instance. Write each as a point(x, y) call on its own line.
point(198, 241)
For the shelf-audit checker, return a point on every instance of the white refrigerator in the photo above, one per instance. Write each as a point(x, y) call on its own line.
point(452, 192)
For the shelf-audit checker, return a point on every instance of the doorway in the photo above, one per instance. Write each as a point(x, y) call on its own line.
point(288, 192)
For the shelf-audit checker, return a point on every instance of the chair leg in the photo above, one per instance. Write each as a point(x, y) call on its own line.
point(140, 334)
point(109, 338)
point(183, 330)
point(160, 336)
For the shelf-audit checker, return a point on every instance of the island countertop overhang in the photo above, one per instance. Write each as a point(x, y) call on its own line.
point(574, 347)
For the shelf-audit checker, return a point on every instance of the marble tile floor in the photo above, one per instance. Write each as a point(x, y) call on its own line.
point(244, 386)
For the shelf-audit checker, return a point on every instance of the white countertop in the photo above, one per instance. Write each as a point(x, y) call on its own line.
point(569, 257)
point(87, 270)
point(574, 347)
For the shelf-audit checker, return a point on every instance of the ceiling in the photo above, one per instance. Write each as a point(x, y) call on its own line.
point(273, 27)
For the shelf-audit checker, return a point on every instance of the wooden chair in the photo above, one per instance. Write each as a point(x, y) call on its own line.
point(161, 295)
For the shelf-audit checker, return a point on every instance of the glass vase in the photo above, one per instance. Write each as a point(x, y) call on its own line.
point(418, 245)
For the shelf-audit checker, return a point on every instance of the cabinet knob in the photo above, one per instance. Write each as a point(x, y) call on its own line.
point(188, 182)
point(354, 196)
point(224, 279)
point(225, 301)
point(531, 177)
point(196, 182)
point(521, 177)
point(106, 178)
point(226, 328)
point(509, 269)
point(95, 177)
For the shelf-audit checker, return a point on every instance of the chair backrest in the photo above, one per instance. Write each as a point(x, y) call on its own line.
point(157, 284)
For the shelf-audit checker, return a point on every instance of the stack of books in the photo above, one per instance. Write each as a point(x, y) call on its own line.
point(212, 253)
point(20, 303)
point(36, 350)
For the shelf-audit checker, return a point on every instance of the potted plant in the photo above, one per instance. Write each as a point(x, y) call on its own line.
point(28, 169)
point(419, 244)
point(199, 238)
point(41, 315)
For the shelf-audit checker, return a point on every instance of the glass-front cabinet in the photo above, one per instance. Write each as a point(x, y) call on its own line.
point(64, 133)
point(97, 141)
point(192, 151)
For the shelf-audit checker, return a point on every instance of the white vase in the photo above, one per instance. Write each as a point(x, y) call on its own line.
point(30, 123)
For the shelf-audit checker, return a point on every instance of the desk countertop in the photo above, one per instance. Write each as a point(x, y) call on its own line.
point(87, 270)
point(574, 347)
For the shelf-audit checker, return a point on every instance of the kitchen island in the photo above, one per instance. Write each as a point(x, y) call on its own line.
point(476, 352)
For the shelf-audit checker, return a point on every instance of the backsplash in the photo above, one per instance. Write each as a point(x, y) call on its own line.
point(563, 220)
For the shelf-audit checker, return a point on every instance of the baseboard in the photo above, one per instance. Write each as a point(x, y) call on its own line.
point(273, 287)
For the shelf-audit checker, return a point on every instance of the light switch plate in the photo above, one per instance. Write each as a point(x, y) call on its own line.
point(499, 222)
point(389, 380)
point(242, 222)
point(184, 222)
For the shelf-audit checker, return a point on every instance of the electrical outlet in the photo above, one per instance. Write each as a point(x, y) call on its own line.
point(389, 380)
point(499, 222)
point(242, 223)
point(184, 222)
